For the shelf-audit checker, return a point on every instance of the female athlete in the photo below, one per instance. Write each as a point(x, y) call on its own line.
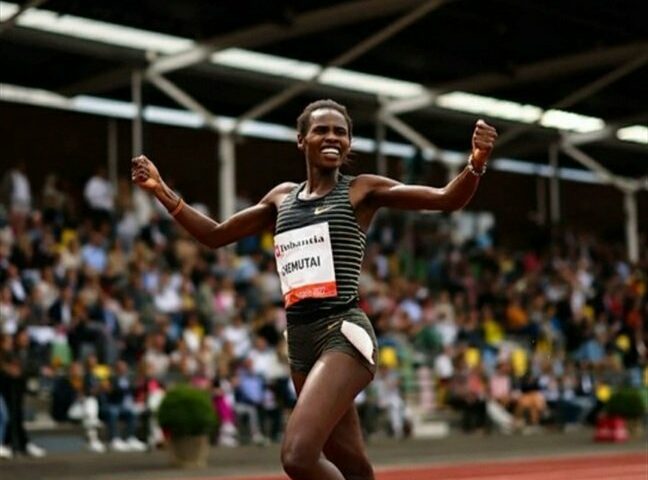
point(320, 227)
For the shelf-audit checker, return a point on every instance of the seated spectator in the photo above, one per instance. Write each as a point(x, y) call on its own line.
point(149, 393)
point(94, 253)
point(390, 399)
point(501, 399)
point(156, 355)
point(224, 404)
point(467, 393)
point(530, 404)
point(73, 399)
point(84, 336)
point(60, 312)
point(120, 405)
point(249, 393)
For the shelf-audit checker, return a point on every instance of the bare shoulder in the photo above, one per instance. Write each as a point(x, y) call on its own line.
point(278, 193)
point(284, 187)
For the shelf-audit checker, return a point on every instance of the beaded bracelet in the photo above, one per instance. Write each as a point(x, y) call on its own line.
point(471, 169)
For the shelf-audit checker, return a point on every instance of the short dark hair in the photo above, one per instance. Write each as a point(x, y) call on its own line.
point(303, 121)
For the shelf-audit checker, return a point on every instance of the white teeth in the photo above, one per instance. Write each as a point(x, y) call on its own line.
point(334, 151)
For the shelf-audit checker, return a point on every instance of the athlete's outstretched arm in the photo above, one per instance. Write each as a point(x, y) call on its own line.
point(252, 220)
point(384, 192)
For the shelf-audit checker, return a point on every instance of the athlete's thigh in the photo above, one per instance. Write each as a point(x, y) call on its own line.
point(324, 398)
point(345, 443)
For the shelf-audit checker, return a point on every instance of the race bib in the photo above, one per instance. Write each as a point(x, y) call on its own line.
point(305, 263)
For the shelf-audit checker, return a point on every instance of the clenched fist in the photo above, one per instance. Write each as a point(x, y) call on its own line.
point(144, 173)
point(483, 141)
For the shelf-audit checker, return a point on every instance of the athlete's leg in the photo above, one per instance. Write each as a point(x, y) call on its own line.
point(325, 397)
point(345, 446)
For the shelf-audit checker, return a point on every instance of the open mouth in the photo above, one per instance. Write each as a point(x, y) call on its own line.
point(331, 152)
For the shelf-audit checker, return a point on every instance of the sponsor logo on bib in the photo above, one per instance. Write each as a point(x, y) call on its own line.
point(305, 263)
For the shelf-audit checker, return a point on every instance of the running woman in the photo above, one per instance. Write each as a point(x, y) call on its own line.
point(320, 230)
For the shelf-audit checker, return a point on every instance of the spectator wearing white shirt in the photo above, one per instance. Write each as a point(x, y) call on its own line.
point(16, 192)
point(99, 194)
point(238, 334)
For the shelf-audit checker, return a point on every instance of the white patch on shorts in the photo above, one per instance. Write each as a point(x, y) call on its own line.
point(359, 338)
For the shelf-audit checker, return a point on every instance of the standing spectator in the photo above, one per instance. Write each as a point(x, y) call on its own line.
point(100, 196)
point(16, 192)
point(6, 346)
point(17, 368)
point(54, 201)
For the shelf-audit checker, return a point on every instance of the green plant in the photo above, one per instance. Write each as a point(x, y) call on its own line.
point(627, 403)
point(187, 411)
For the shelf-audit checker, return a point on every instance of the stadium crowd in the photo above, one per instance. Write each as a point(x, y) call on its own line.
point(104, 304)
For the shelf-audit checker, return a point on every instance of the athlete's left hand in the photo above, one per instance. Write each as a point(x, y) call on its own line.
point(483, 141)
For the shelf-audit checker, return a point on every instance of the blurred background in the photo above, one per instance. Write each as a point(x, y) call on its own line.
point(514, 323)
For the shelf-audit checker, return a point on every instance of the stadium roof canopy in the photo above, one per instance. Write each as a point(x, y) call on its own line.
point(573, 74)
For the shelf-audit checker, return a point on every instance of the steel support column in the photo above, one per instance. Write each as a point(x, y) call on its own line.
point(554, 185)
point(226, 144)
point(136, 95)
point(227, 175)
point(112, 153)
point(541, 201)
point(632, 229)
point(381, 159)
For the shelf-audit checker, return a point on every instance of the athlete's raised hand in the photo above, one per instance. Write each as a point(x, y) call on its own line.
point(145, 174)
point(483, 141)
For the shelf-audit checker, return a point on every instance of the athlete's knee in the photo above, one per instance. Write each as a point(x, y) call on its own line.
point(298, 460)
point(358, 469)
point(352, 463)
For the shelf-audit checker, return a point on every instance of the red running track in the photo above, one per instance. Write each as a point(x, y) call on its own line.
point(629, 466)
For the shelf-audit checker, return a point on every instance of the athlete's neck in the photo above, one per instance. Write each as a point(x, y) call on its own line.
point(319, 182)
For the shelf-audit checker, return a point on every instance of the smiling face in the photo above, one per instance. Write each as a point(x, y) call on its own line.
point(327, 140)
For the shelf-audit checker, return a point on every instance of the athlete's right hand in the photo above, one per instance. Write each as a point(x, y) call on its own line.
point(145, 174)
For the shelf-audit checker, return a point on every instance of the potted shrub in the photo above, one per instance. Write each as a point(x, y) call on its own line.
point(628, 404)
point(187, 417)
